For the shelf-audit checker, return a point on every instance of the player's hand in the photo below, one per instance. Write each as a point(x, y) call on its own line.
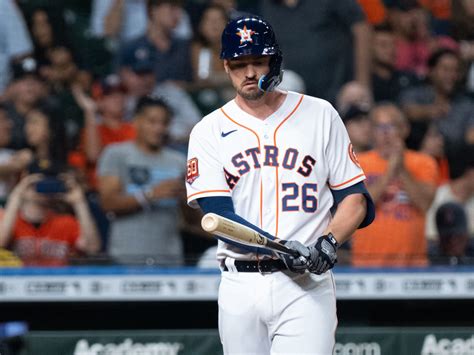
point(299, 264)
point(323, 255)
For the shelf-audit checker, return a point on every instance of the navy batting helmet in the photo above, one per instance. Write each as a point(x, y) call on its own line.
point(252, 35)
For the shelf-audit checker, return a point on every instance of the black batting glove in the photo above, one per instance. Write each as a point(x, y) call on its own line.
point(323, 255)
point(296, 264)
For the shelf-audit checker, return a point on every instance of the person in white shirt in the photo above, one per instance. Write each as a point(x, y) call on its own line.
point(15, 40)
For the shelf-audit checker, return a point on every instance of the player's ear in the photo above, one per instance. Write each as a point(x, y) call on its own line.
point(226, 66)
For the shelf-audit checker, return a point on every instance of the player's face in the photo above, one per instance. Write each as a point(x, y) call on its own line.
point(244, 73)
point(152, 127)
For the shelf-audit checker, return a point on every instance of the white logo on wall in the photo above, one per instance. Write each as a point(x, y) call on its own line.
point(357, 349)
point(127, 347)
point(444, 346)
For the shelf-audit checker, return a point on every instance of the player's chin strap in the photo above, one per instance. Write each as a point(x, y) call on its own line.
point(270, 81)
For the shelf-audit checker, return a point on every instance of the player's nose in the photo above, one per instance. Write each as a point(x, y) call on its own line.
point(250, 71)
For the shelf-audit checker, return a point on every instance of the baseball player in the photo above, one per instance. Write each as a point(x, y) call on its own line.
point(277, 162)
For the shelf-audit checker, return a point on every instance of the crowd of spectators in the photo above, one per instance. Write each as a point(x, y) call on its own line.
point(97, 100)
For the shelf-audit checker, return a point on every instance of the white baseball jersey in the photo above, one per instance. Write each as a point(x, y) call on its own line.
point(278, 171)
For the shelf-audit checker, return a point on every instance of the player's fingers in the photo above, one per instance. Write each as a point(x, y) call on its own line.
point(321, 266)
point(300, 248)
point(325, 267)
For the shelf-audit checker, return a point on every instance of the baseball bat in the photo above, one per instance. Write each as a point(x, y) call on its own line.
point(237, 232)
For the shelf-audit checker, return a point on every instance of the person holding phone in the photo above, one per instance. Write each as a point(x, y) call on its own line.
point(39, 235)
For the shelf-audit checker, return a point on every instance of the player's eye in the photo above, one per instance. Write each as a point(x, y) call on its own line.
point(235, 66)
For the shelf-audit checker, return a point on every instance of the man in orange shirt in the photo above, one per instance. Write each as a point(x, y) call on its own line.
point(402, 184)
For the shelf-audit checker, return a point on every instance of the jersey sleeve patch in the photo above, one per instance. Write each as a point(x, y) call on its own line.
point(192, 171)
point(353, 155)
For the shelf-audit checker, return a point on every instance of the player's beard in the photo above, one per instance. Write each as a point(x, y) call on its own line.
point(250, 95)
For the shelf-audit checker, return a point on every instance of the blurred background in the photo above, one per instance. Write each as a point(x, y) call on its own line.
point(99, 253)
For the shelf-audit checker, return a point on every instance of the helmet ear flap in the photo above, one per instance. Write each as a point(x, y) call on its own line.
point(270, 81)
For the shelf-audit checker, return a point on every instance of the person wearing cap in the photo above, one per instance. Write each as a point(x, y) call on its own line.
point(170, 55)
point(276, 162)
point(137, 74)
point(359, 127)
point(25, 92)
point(354, 102)
point(104, 120)
point(460, 189)
point(136, 70)
point(453, 242)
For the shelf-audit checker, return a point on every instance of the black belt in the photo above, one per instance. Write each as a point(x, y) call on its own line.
point(271, 265)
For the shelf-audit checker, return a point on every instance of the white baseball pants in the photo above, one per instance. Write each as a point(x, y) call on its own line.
point(277, 313)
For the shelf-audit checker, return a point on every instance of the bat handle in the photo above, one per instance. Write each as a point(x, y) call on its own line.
point(291, 252)
point(294, 253)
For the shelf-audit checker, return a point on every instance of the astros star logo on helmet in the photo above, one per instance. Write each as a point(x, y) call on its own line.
point(245, 34)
